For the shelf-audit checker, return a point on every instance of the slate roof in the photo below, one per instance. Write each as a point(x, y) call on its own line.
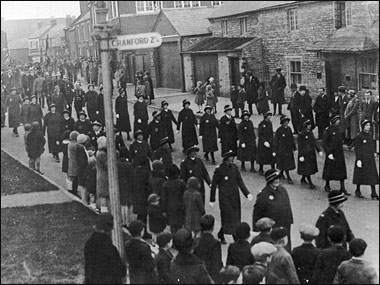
point(188, 22)
point(219, 44)
point(83, 18)
point(348, 39)
point(230, 8)
point(40, 32)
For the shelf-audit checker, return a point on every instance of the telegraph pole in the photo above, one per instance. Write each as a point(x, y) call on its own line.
point(102, 34)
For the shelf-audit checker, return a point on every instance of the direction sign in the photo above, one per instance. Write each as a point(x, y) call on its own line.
point(136, 41)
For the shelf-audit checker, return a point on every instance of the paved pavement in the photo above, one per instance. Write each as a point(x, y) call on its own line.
point(32, 199)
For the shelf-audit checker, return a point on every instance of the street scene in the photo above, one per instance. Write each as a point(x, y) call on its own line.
point(190, 142)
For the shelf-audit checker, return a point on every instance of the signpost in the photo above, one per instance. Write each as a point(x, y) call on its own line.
point(137, 41)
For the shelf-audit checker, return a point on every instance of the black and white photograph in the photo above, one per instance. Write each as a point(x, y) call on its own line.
point(190, 142)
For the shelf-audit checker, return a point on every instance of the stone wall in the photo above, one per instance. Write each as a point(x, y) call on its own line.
point(188, 71)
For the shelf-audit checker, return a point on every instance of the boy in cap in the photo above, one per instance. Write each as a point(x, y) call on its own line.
point(164, 258)
point(305, 256)
point(330, 258)
point(264, 225)
point(281, 269)
point(262, 253)
point(157, 220)
point(356, 270)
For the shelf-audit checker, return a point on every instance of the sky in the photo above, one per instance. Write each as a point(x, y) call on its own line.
point(16, 10)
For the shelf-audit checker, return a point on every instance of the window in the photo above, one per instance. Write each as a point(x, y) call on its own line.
point(216, 3)
point(368, 74)
point(88, 30)
point(243, 26)
point(224, 27)
point(293, 19)
point(295, 71)
point(82, 32)
point(114, 9)
point(186, 4)
point(93, 15)
point(342, 14)
point(144, 6)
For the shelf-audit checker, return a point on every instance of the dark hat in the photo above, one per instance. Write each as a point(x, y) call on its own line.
point(153, 198)
point(266, 114)
point(342, 89)
point(302, 87)
point(207, 222)
point(245, 113)
point(278, 233)
point(33, 96)
point(157, 165)
point(271, 175)
point(229, 273)
point(164, 140)
point(88, 87)
point(104, 222)
point(284, 118)
point(184, 102)
point(334, 118)
point(13, 89)
point(136, 227)
point(26, 98)
point(336, 233)
point(52, 105)
point(293, 85)
point(156, 114)
point(138, 132)
point(278, 68)
point(308, 231)
point(336, 197)
point(365, 122)
point(96, 122)
point(183, 240)
point(138, 95)
point(227, 108)
point(228, 154)
point(82, 113)
point(121, 90)
point(306, 122)
point(242, 231)
point(163, 103)
point(264, 224)
point(191, 149)
point(163, 239)
point(357, 247)
point(252, 274)
point(208, 107)
point(66, 112)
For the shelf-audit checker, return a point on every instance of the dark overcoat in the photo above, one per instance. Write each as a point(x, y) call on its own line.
point(189, 134)
point(194, 209)
point(251, 85)
point(332, 144)
point(265, 133)
point(165, 155)
point(141, 191)
point(305, 257)
point(155, 132)
point(321, 109)
point(82, 161)
point(140, 153)
point(156, 180)
point(123, 123)
point(79, 97)
point(306, 149)
point(172, 201)
point(167, 118)
point(91, 101)
point(195, 167)
point(228, 134)
point(35, 142)
point(342, 109)
point(13, 103)
point(328, 218)
point(163, 260)
point(91, 176)
point(67, 125)
point(102, 262)
point(262, 100)
point(58, 99)
point(102, 185)
point(83, 127)
point(24, 114)
point(207, 129)
point(101, 112)
point(278, 84)
point(364, 151)
point(305, 110)
point(52, 123)
point(67, 88)
point(157, 221)
point(239, 254)
point(228, 179)
point(284, 146)
point(34, 113)
point(140, 112)
point(247, 136)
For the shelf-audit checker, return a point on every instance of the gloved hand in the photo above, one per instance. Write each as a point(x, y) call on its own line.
point(274, 154)
point(177, 131)
point(320, 153)
point(359, 164)
point(243, 145)
point(139, 121)
point(250, 197)
point(267, 144)
point(302, 159)
point(211, 204)
point(6, 114)
point(83, 108)
point(331, 156)
point(198, 126)
point(117, 116)
point(97, 112)
point(57, 142)
point(200, 137)
point(219, 140)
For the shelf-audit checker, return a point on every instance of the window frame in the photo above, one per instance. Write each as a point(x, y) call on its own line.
point(216, 3)
point(243, 23)
point(348, 16)
point(295, 22)
point(154, 5)
point(114, 9)
point(367, 72)
point(182, 4)
point(224, 27)
point(291, 59)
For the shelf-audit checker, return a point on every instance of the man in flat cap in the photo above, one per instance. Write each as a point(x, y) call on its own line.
point(264, 225)
point(278, 84)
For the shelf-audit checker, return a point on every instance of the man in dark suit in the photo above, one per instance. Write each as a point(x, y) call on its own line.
point(251, 84)
point(321, 109)
point(278, 84)
point(368, 108)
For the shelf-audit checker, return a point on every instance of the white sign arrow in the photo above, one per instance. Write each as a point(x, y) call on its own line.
point(136, 41)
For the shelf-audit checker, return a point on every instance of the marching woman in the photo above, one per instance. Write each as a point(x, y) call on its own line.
point(187, 118)
point(52, 124)
point(167, 118)
point(122, 115)
point(208, 134)
point(265, 144)
point(365, 171)
point(140, 112)
point(307, 159)
point(247, 141)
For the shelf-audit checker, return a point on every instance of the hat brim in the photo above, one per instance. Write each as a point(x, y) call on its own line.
point(185, 103)
point(245, 114)
point(193, 149)
point(284, 119)
point(272, 177)
point(268, 114)
point(228, 109)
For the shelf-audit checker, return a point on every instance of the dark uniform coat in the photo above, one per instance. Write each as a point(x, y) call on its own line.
point(247, 136)
point(274, 204)
point(167, 118)
point(79, 97)
point(306, 149)
point(67, 88)
point(328, 218)
point(35, 142)
point(194, 209)
point(364, 151)
point(67, 125)
point(265, 154)
point(321, 109)
point(165, 155)
point(163, 260)
point(239, 254)
point(52, 123)
point(58, 99)
point(172, 201)
point(126, 181)
point(251, 85)
point(101, 112)
point(102, 262)
point(228, 179)
point(91, 100)
point(121, 108)
point(82, 161)
point(207, 129)
point(189, 134)
point(13, 102)
point(83, 127)
point(278, 84)
point(284, 146)
point(94, 137)
point(228, 134)
point(333, 144)
point(303, 108)
point(196, 168)
point(305, 257)
point(140, 112)
point(155, 131)
point(140, 153)
point(34, 113)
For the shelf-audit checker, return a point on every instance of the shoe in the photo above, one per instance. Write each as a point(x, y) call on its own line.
point(290, 181)
point(223, 241)
point(242, 168)
point(358, 194)
point(253, 170)
point(214, 162)
point(39, 171)
point(374, 197)
point(147, 236)
point(261, 172)
point(345, 192)
point(327, 189)
point(206, 157)
point(312, 186)
point(303, 182)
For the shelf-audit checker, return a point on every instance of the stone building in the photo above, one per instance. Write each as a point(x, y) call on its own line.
point(301, 37)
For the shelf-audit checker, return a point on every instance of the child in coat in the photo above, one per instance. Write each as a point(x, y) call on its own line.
point(242, 97)
point(193, 206)
point(164, 258)
point(24, 110)
point(27, 128)
point(210, 96)
point(35, 142)
point(156, 218)
point(199, 99)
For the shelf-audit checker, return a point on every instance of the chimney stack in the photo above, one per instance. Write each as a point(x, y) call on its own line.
point(69, 20)
point(53, 21)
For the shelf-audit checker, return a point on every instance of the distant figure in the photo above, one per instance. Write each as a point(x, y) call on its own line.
point(278, 84)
